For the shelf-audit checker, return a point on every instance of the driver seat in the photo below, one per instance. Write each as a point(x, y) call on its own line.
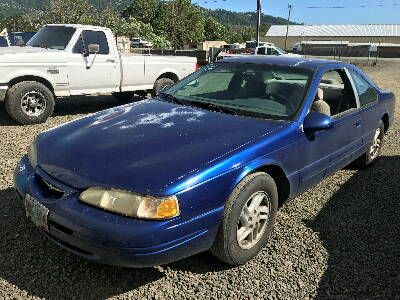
point(319, 105)
point(253, 88)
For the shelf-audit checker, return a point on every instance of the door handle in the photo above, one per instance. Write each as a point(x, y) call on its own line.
point(358, 123)
point(110, 60)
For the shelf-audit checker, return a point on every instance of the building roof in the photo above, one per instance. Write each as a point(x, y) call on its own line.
point(389, 30)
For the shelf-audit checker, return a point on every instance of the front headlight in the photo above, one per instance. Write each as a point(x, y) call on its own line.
point(131, 204)
point(32, 154)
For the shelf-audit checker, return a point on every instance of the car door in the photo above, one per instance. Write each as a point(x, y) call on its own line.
point(326, 151)
point(94, 73)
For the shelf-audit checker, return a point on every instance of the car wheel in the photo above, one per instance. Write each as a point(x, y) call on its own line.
point(248, 219)
point(29, 102)
point(162, 84)
point(125, 96)
point(374, 151)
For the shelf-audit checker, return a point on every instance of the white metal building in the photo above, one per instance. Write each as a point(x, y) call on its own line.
point(358, 33)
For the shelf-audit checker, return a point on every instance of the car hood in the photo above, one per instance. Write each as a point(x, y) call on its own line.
point(21, 50)
point(28, 54)
point(144, 147)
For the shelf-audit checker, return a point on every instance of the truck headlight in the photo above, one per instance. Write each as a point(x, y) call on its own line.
point(131, 204)
point(32, 154)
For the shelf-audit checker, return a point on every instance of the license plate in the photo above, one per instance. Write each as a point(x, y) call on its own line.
point(37, 212)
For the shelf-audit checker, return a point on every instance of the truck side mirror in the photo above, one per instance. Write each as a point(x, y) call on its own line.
point(93, 48)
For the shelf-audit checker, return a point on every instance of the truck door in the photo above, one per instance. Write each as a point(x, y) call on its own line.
point(94, 73)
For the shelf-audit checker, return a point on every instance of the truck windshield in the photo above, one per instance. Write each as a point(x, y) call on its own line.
point(250, 90)
point(52, 37)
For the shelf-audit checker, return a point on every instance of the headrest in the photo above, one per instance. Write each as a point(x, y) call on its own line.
point(319, 95)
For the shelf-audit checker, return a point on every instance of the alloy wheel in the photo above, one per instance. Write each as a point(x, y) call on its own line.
point(253, 220)
point(33, 104)
point(376, 145)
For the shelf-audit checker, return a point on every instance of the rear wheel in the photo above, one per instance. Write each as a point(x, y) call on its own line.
point(162, 84)
point(374, 151)
point(29, 102)
point(248, 219)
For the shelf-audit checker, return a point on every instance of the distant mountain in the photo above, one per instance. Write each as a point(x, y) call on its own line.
point(245, 18)
point(13, 7)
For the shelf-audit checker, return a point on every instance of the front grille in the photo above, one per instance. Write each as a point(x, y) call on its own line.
point(47, 189)
point(69, 246)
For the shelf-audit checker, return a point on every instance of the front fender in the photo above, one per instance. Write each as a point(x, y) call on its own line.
point(31, 73)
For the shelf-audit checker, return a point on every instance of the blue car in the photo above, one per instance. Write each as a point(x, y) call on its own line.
point(205, 164)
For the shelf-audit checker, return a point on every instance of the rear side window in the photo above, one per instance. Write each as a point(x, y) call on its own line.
point(366, 92)
point(92, 37)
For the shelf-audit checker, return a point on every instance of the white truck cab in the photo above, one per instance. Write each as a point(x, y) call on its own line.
point(64, 60)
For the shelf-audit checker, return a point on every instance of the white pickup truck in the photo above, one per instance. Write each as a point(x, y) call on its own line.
point(68, 60)
point(267, 49)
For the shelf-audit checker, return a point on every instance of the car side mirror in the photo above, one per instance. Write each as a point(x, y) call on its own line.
point(317, 121)
point(93, 48)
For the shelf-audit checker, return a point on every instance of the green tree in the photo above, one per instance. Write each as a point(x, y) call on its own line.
point(26, 22)
point(215, 31)
point(134, 29)
point(142, 10)
point(181, 22)
point(70, 11)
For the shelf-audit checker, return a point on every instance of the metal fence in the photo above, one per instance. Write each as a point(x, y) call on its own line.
point(351, 52)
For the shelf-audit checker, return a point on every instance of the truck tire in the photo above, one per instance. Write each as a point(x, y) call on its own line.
point(162, 84)
point(248, 219)
point(125, 96)
point(29, 102)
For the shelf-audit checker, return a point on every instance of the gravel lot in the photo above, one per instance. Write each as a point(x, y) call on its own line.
point(340, 240)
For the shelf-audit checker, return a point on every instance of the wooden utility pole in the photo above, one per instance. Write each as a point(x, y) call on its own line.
point(258, 22)
point(288, 22)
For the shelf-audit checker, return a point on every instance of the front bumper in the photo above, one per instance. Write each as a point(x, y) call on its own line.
point(3, 92)
point(113, 239)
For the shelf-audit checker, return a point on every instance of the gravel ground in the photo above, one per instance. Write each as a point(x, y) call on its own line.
point(339, 240)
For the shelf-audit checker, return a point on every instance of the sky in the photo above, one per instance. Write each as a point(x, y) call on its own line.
point(319, 11)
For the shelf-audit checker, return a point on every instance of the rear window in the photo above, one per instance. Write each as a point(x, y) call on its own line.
point(366, 92)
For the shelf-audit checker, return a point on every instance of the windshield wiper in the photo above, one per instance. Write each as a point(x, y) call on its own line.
point(171, 98)
point(215, 107)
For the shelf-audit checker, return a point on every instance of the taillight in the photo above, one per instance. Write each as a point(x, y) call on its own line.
point(197, 67)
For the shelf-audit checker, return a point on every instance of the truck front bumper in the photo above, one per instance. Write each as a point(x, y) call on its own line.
point(3, 91)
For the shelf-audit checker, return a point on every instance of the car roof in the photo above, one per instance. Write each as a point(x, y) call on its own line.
point(300, 62)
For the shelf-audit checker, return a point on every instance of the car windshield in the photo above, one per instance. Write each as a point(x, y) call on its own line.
point(248, 90)
point(52, 37)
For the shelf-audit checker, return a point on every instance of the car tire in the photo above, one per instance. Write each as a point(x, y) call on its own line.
point(371, 156)
point(229, 245)
point(124, 96)
point(29, 102)
point(162, 84)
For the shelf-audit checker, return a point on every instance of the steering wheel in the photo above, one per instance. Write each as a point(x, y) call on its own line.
point(281, 100)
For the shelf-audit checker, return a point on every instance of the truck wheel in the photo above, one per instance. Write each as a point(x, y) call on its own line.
point(162, 84)
point(372, 154)
point(248, 219)
point(29, 102)
point(125, 96)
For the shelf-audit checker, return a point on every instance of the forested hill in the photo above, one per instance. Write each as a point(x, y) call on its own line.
point(13, 7)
